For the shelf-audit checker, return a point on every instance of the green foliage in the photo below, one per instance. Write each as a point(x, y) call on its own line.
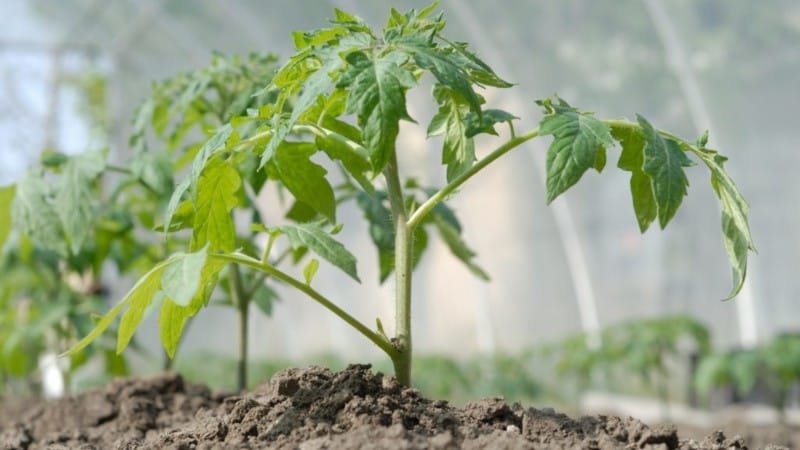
point(235, 128)
point(639, 347)
point(774, 365)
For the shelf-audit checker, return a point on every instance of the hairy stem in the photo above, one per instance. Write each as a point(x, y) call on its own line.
point(424, 209)
point(242, 304)
point(403, 261)
point(239, 258)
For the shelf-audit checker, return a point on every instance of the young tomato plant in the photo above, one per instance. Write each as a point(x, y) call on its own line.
point(342, 96)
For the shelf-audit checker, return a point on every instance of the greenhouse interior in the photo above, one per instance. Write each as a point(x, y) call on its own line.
point(218, 192)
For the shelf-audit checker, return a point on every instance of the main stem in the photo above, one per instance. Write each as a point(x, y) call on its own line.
point(403, 260)
point(242, 308)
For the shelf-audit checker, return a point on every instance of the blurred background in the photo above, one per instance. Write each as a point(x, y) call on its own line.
point(72, 73)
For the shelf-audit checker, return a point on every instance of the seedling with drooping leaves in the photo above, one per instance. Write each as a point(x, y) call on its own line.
point(343, 95)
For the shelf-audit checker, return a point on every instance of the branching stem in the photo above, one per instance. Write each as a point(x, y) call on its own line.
point(239, 258)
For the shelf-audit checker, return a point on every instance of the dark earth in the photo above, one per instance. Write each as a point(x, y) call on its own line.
point(315, 408)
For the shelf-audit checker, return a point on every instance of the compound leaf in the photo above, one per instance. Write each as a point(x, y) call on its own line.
point(377, 95)
point(577, 138)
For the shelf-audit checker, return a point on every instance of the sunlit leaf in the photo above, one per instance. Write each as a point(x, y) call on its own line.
point(577, 138)
point(664, 161)
point(321, 243)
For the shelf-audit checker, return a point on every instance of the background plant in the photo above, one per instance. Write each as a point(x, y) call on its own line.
point(78, 215)
point(769, 370)
point(348, 71)
point(649, 351)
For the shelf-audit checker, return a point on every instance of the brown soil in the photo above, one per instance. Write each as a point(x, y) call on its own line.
point(314, 409)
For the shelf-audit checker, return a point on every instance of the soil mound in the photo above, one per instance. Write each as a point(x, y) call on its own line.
point(314, 408)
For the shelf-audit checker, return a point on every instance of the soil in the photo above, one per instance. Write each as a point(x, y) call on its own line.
point(314, 408)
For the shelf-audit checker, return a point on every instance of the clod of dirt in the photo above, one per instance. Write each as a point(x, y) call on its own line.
point(315, 408)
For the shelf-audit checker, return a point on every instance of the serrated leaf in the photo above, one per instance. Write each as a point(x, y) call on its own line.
point(452, 238)
point(6, 200)
point(632, 159)
point(35, 216)
point(486, 120)
point(664, 161)
point(138, 299)
point(75, 199)
point(735, 227)
point(458, 151)
point(577, 138)
point(215, 198)
point(377, 95)
point(310, 270)
point(182, 279)
point(312, 72)
point(304, 178)
point(317, 240)
point(264, 298)
point(446, 68)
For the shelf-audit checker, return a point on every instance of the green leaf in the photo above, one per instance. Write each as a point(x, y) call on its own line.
point(35, 216)
point(75, 198)
point(174, 202)
point(138, 299)
point(486, 120)
point(264, 298)
point(577, 138)
point(377, 95)
point(458, 151)
point(380, 229)
point(6, 200)
point(214, 144)
point(171, 321)
point(664, 161)
point(356, 162)
point(735, 227)
point(305, 179)
point(317, 240)
point(182, 279)
point(312, 72)
point(310, 270)
point(632, 160)
point(452, 237)
point(214, 200)
point(442, 63)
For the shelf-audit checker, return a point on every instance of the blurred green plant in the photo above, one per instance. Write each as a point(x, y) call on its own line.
point(773, 367)
point(642, 348)
point(75, 216)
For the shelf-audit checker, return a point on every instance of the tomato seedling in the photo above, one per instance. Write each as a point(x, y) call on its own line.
point(342, 95)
